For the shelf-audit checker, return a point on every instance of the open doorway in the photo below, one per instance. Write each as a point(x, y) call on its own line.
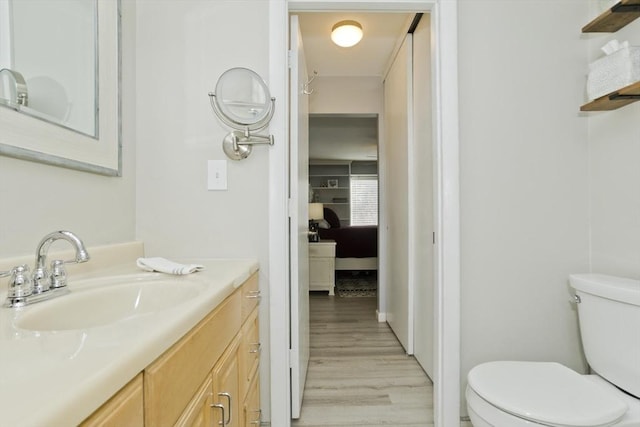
point(446, 307)
point(382, 94)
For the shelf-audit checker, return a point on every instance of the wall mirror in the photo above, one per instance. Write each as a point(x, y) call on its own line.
point(242, 101)
point(59, 83)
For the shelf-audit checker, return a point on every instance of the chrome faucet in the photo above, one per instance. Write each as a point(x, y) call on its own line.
point(43, 284)
point(42, 279)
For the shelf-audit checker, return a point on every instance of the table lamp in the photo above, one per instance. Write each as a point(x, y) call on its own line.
point(316, 213)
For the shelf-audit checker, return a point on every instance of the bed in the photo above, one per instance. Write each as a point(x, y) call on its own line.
point(356, 246)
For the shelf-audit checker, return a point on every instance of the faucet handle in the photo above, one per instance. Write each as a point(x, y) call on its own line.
point(40, 280)
point(58, 274)
point(20, 283)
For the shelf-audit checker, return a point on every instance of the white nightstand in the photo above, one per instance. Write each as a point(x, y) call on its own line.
point(322, 266)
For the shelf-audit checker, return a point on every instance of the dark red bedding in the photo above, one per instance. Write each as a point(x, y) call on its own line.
point(353, 242)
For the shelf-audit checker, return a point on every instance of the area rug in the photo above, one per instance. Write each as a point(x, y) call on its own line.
point(356, 283)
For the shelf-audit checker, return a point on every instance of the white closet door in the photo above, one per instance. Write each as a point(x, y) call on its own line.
point(424, 341)
point(399, 199)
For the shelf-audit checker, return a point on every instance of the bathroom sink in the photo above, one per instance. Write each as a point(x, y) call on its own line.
point(107, 304)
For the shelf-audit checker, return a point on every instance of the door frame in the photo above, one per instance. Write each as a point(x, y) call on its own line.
point(446, 190)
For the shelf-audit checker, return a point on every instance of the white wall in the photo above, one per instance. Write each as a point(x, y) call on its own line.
point(183, 47)
point(356, 95)
point(38, 198)
point(343, 138)
point(524, 172)
point(614, 177)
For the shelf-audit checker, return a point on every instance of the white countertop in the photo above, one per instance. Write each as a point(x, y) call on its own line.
point(58, 378)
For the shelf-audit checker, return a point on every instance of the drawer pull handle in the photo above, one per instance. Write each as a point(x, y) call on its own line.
point(257, 346)
point(228, 396)
point(253, 294)
point(221, 407)
point(257, 421)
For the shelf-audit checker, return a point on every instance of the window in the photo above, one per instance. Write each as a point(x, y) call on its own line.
point(364, 200)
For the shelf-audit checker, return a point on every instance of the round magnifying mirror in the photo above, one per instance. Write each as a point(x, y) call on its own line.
point(243, 100)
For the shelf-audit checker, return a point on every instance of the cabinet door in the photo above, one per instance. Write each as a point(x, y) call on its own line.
point(176, 376)
point(251, 409)
point(226, 388)
point(198, 412)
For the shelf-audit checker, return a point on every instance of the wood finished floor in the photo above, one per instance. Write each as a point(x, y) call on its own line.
point(359, 374)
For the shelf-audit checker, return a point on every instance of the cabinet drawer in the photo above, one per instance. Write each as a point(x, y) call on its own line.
point(174, 378)
point(249, 351)
point(321, 270)
point(252, 413)
point(322, 250)
point(250, 295)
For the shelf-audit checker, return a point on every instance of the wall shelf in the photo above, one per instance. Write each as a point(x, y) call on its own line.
point(615, 100)
point(611, 20)
point(340, 174)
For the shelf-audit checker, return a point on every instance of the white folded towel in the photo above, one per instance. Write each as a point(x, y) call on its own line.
point(165, 266)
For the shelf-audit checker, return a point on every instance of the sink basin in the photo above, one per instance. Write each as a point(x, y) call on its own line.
point(103, 305)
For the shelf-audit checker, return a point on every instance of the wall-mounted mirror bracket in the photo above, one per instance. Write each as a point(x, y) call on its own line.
point(242, 102)
point(237, 144)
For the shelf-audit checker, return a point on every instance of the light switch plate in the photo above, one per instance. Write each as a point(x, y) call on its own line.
point(217, 175)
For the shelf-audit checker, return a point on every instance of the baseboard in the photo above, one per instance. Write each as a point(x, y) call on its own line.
point(382, 317)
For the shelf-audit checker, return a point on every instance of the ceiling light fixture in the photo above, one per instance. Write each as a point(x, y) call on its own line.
point(346, 33)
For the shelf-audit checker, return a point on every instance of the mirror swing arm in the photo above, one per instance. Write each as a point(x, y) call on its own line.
point(246, 116)
point(237, 144)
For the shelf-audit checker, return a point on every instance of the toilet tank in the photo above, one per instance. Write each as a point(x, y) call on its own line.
point(609, 315)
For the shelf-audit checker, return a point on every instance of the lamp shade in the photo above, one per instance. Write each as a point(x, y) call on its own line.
point(316, 211)
point(346, 33)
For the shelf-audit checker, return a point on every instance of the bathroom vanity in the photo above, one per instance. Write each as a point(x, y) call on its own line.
point(187, 355)
point(210, 373)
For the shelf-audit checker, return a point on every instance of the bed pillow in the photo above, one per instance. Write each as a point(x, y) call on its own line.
point(331, 217)
point(324, 224)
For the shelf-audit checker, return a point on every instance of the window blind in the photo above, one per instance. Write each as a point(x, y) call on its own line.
point(364, 200)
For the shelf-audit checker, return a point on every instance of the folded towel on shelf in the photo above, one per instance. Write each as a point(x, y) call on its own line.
point(165, 266)
point(619, 68)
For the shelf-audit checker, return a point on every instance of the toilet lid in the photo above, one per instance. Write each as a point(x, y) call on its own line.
point(547, 393)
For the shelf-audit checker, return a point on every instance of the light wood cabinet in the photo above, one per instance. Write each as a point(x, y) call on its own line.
point(251, 409)
point(226, 389)
point(249, 353)
point(174, 378)
point(124, 409)
point(198, 413)
point(211, 369)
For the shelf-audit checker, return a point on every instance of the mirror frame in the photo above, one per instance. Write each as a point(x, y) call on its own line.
point(29, 138)
point(231, 119)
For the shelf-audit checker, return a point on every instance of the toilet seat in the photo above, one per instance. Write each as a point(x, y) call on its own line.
point(546, 394)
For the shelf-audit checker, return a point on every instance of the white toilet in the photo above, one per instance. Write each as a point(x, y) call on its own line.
point(514, 394)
